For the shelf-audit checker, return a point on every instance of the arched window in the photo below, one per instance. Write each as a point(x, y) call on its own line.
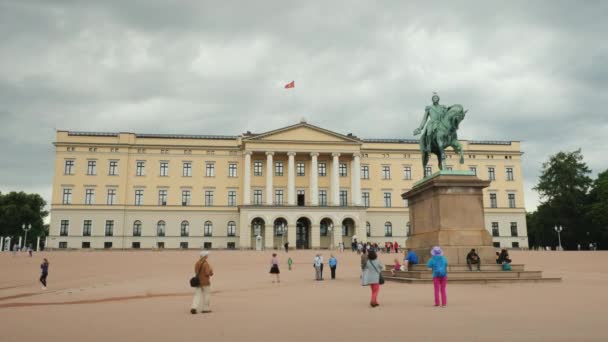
point(388, 229)
point(137, 228)
point(280, 226)
point(208, 229)
point(324, 227)
point(185, 228)
point(368, 229)
point(160, 228)
point(257, 227)
point(231, 228)
point(408, 229)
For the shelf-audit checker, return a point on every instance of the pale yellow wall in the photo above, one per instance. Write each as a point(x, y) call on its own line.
point(131, 149)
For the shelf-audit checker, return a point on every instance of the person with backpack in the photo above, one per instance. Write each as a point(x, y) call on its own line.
point(202, 292)
point(439, 264)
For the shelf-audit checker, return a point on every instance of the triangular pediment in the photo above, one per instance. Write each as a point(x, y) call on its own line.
point(303, 132)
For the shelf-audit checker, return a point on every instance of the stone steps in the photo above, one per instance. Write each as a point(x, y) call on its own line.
point(464, 267)
point(474, 281)
point(457, 275)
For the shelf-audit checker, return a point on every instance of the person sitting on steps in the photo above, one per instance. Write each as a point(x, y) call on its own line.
point(473, 259)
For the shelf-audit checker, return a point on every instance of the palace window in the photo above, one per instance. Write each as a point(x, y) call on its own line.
point(493, 202)
point(278, 168)
point(91, 167)
point(364, 172)
point(232, 170)
point(160, 228)
point(257, 168)
point(365, 198)
point(257, 197)
point(86, 227)
point(109, 228)
point(300, 169)
point(322, 169)
point(474, 169)
point(514, 229)
point(386, 172)
point(388, 229)
point(89, 196)
point(208, 229)
point(187, 169)
point(511, 200)
point(186, 197)
point(210, 169)
point(69, 167)
point(510, 174)
point(343, 198)
point(491, 173)
point(137, 228)
point(67, 196)
point(111, 198)
point(231, 228)
point(387, 199)
point(495, 230)
point(278, 197)
point(407, 172)
point(184, 229)
point(323, 198)
point(113, 169)
point(342, 170)
point(140, 168)
point(139, 197)
point(232, 198)
point(63, 230)
point(164, 168)
point(162, 197)
point(208, 198)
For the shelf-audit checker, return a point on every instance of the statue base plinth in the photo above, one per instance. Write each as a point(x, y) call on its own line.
point(446, 210)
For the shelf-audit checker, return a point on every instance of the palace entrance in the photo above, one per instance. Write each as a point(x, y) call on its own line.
point(303, 233)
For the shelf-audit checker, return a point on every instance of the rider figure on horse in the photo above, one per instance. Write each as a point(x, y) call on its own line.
point(432, 117)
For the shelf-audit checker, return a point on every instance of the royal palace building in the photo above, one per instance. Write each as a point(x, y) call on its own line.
point(302, 185)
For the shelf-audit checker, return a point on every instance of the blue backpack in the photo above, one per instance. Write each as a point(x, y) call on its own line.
point(440, 267)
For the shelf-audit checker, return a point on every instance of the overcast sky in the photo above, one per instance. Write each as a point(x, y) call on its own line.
point(532, 71)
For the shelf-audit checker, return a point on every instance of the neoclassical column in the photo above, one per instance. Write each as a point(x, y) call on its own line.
point(314, 180)
point(335, 179)
point(247, 185)
point(355, 176)
point(291, 179)
point(37, 244)
point(1, 243)
point(269, 174)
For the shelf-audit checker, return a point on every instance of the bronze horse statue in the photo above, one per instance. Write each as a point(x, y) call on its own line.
point(445, 135)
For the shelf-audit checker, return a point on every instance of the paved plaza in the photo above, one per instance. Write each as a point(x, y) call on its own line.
point(144, 296)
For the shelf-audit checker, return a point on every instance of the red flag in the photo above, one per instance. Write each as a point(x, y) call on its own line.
point(291, 84)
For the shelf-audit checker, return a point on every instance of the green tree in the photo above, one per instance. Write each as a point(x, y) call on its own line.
point(563, 187)
point(18, 208)
point(597, 210)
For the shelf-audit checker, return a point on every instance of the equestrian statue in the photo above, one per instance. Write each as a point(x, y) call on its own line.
point(439, 128)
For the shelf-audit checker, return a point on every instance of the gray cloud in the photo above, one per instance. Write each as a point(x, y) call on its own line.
point(527, 71)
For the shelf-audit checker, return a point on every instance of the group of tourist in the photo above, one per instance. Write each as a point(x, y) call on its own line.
point(391, 247)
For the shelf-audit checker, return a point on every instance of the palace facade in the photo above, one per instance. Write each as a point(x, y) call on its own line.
point(300, 184)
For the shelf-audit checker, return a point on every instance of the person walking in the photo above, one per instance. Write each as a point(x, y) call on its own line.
point(289, 263)
point(318, 265)
point(333, 263)
point(372, 275)
point(29, 250)
point(274, 267)
point(202, 294)
point(439, 264)
point(286, 245)
point(44, 270)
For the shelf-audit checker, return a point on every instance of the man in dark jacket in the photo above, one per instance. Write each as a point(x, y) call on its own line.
point(473, 259)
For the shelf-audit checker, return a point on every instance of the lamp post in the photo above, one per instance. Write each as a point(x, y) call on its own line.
point(26, 229)
point(559, 229)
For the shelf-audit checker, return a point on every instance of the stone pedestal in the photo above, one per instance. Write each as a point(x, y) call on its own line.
point(446, 210)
